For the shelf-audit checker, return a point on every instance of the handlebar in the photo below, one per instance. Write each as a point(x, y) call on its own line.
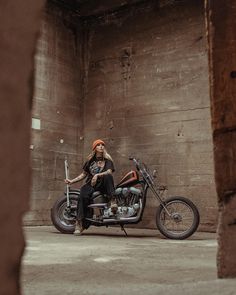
point(141, 167)
point(136, 162)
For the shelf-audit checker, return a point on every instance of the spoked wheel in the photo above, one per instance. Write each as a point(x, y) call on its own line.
point(64, 218)
point(180, 219)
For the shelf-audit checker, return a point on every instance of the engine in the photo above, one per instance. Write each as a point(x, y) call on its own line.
point(128, 201)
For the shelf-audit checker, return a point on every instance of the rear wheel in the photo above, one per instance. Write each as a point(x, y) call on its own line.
point(64, 218)
point(180, 219)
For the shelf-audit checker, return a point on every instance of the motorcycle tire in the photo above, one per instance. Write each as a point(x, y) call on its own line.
point(60, 218)
point(177, 230)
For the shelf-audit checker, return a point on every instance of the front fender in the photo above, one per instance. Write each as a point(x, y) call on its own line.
point(73, 192)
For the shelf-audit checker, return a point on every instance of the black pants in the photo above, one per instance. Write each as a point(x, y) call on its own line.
point(105, 185)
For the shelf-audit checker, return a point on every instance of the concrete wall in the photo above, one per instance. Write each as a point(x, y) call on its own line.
point(136, 77)
point(57, 109)
point(147, 95)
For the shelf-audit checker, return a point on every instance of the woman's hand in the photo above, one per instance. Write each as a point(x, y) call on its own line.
point(94, 180)
point(76, 179)
point(68, 181)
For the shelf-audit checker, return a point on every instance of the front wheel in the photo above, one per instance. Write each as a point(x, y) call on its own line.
point(177, 218)
point(64, 218)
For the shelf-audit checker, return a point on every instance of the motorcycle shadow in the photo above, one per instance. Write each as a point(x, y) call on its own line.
point(157, 235)
point(121, 235)
point(116, 232)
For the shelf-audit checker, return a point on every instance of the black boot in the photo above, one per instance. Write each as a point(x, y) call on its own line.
point(78, 228)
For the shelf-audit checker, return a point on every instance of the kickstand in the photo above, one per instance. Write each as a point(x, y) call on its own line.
point(122, 228)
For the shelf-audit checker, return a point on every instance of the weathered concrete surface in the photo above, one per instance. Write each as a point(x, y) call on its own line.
point(148, 95)
point(104, 261)
point(98, 8)
point(57, 106)
point(135, 76)
point(221, 19)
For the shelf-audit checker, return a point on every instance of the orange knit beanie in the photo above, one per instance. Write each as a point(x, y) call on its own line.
point(97, 142)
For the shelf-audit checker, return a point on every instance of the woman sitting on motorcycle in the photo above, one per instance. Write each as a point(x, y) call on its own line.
point(98, 169)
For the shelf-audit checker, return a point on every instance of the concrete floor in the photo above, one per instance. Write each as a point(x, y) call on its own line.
point(104, 261)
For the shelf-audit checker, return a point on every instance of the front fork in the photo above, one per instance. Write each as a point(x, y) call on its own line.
point(157, 194)
point(67, 185)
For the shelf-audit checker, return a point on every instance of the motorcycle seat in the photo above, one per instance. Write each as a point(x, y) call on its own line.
point(96, 194)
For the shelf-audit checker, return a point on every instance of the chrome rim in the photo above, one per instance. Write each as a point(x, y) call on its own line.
point(180, 220)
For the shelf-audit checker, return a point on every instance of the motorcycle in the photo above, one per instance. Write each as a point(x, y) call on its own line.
point(176, 217)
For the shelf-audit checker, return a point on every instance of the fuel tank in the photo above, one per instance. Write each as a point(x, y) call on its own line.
point(130, 179)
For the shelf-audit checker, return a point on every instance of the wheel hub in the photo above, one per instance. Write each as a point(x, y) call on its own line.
point(67, 214)
point(177, 217)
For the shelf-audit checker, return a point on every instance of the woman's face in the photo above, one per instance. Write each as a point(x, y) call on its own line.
point(99, 148)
